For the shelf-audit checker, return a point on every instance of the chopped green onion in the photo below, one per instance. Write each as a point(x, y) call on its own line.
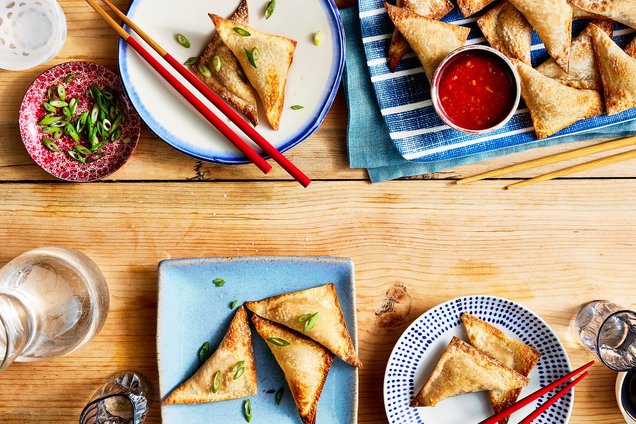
point(49, 119)
point(98, 144)
point(238, 365)
point(241, 31)
point(72, 105)
point(58, 134)
point(303, 318)
point(70, 78)
point(233, 304)
point(58, 124)
point(311, 322)
point(107, 125)
point(219, 282)
point(76, 156)
point(250, 57)
point(318, 38)
point(50, 145)
point(270, 9)
point(115, 136)
point(216, 382)
point(205, 71)
point(49, 94)
point(61, 92)
point(255, 53)
point(183, 41)
point(95, 157)
point(58, 103)
point(204, 350)
point(70, 130)
point(49, 130)
point(216, 62)
point(66, 112)
point(94, 114)
point(191, 61)
point(278, 341)
point(238, 373)
point(247, 409)
point(47, 106)
point(279, 395)
point(107, 95)
point(82, 150)
point(297, 107)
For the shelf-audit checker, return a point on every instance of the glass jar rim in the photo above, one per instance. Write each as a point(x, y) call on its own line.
point(598, 338)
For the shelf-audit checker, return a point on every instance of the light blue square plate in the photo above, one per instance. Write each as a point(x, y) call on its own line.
point(192, 310)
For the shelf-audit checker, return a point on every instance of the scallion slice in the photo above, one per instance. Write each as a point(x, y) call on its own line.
point(279, 395)
point(270, 9)
point(70, 78)
point(216, 382)
point(247, 410)
point(250, 57)
point(241, 31)
point(216, 62)
point(311, 322)
point(61, 92)
point(204, 350)
point(183, 41)
point(76, 156)
point(191, 61)
point(277, 341)
point(205, 71)
point(219, 282)
point(50, 145)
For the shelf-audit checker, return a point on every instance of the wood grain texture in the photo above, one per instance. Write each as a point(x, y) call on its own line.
point(414, 244)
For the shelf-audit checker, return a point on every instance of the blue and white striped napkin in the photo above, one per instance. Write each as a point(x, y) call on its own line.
point(368, 139)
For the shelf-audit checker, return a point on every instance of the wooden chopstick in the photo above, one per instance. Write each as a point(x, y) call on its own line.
point(540, 410)
point(191, 98)
point(216, 101)
point(621, 157)
point(584, 151)
point(534, 396)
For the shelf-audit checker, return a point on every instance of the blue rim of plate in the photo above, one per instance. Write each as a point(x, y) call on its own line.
point(313, 123)
point(455, 306)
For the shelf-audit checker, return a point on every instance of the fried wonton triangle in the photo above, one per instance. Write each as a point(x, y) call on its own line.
point(470, 7)
point(578, 13)
point(618, 71)
point(510, 352)
point(552, 19)
point(304, 362)
point(623, 11)
point(431, 40)
point(295, 310)
point(554, 106)
point(235, 348)
point(583, 70)
point(508, 31)
point(631, 48)
point(464, 369)
point(268, 74)
point(434, 9)
point(227, 82)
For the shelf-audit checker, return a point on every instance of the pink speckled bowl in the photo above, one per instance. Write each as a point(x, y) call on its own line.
point(59, 164)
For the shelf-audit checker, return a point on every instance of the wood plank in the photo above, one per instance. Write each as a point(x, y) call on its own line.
point(550, 247)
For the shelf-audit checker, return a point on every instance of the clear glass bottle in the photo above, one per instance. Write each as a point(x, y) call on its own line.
point(53, 300)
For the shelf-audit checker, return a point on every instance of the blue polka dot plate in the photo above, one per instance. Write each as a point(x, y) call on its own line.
point(419, 348)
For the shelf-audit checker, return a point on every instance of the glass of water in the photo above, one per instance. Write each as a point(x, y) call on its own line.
point(124, 399)
point(608, 331)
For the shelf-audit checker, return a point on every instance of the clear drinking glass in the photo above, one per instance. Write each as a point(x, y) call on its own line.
point(53, 300)
point(608, 331)
point(124, 399)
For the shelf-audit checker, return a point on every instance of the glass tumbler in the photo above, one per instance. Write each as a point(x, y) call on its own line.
point(53, 300)
point(123, 399)
point(608, 331)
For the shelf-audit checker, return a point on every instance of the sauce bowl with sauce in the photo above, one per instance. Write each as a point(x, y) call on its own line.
point(475, 90)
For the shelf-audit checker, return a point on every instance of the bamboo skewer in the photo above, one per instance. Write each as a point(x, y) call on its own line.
point(216, 101)
point(577, 168)
point(584, 151)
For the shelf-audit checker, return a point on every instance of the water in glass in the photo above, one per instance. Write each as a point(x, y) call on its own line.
point(52, 301)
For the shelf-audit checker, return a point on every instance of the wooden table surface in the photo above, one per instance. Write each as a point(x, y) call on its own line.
point(415, 243)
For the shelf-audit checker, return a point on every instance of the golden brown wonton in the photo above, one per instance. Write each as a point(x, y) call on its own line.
point(434, 9)
point(623, 11)
point(508, 31)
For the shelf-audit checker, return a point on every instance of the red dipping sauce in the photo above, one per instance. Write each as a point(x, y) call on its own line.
point(477, 90)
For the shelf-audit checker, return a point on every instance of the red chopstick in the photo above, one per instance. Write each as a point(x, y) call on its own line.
point(534, 396)
point(216, 101)
point(205, 90)
point(542, 408)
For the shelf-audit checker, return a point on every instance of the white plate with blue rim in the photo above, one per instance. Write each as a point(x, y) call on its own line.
point(312, 82)
point(418, 350)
